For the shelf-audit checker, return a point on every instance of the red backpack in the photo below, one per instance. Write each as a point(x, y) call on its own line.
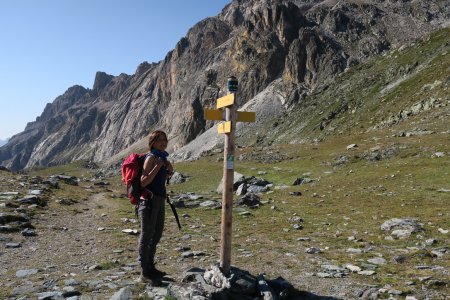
point(131, 175)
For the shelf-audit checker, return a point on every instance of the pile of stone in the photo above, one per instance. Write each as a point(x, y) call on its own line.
point(243, 185)
point(212, 284)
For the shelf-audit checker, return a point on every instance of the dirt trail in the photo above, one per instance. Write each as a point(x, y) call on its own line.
point(67, 245)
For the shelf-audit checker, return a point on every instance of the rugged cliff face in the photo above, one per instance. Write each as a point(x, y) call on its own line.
point(298, 44)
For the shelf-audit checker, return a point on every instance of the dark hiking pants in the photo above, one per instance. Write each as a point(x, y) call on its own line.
point(151, 215)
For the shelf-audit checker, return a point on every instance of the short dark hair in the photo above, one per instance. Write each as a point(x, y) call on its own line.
point(154, 136)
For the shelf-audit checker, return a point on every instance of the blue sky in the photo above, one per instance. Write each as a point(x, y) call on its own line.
point(47, 46)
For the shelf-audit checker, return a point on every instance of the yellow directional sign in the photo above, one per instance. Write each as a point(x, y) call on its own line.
point(225, 101)
point(246, 116)
point(214, 114)
point(224, 127)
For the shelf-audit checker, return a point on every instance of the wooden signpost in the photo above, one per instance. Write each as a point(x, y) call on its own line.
point(230, 116)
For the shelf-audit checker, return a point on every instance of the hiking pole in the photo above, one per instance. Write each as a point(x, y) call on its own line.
point(173, 207)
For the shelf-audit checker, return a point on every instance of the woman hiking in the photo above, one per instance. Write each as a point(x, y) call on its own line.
point(151, 209)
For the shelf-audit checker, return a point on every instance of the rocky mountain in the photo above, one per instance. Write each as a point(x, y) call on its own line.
point(285, 53)
point(2, 142)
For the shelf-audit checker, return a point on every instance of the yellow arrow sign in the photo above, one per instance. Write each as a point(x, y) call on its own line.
point(214, 114)
point(225, 101)
point(246, 116)
point(224, 127)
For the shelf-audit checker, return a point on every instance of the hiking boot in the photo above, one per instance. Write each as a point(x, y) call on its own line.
point(158, 272)
point(150, 280)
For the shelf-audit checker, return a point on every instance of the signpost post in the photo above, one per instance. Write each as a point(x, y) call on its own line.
point(230, 116)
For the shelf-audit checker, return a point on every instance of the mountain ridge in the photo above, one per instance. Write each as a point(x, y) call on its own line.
point(300, 46)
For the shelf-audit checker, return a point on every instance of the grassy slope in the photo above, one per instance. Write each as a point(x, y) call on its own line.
point(359, 99)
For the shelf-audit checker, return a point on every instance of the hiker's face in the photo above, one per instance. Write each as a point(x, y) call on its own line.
point(160, 143)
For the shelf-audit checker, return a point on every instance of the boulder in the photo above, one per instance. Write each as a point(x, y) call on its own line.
point(178, 178)
point(402, 228)
point(238, 180)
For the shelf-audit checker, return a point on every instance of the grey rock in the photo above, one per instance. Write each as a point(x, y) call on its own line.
point(70, 180)
point(102, 183)
point(333, 268)
point(65, 201)
point(400, 258)
point(313, 250)
point(402, 228)
point(193, 196)
point(244, 285)
point(25, 289)
point(352, 268)
point(187, 254)
point(178, 203)
point(178, 178)
point(241, 190)
point(52, 183)
point(250, 200)
point(26, 273)
point(30, 199)
point(401, 233)
point(366, 272)
point(297, 226)
point(13, 245)
point(436, 283)
point(71, 282)
point(49, 295)
point(295, 219)
point(193, 275)
point(354, 250)
point(28, 232)
point(245, 213)
point(49, 284)
point(5, 239)
point(377, 261)
point(210, 203)
point(257, 181)
point(256, 189)
point(430, 242)
point(395, 292)
point(368, 266)
point(12, 217)
point(131, 231)
point(237, 180)
point(9, 193)
point(124, 293)
point(303, 180)
point(370, 293)
point(324, 275)
point(36, 192)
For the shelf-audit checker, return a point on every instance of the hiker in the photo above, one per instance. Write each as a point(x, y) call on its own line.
point(151, 209)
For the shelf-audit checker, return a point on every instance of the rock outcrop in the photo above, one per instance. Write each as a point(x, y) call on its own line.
point(299, 45)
